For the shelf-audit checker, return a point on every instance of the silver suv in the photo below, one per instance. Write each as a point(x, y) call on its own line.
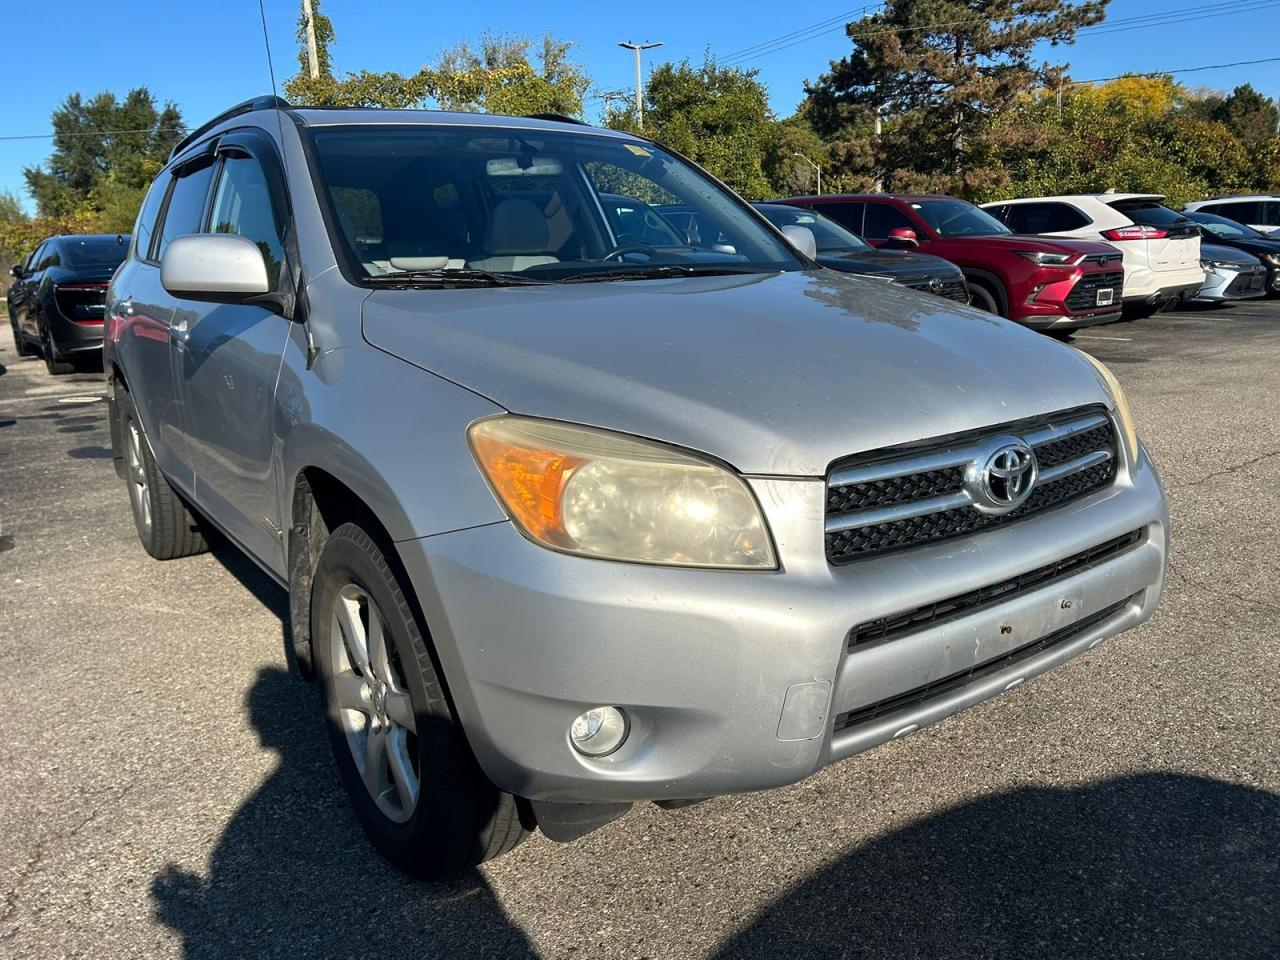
point(576, 509)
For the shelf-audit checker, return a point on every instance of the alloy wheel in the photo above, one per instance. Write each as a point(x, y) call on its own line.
point(373, 704)
point(137, 476)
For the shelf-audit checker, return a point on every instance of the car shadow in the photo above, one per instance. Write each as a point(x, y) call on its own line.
point(293, 876)
point(1153, 865)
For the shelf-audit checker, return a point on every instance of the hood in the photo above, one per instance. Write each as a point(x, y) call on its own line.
point(891, 263)
point(1028, 241)
point(774, 373)
point(1226, 254)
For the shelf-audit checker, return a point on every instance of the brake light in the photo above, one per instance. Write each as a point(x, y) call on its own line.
point(1136, 232)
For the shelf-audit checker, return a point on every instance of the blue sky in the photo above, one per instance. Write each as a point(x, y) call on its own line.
point(208, 54)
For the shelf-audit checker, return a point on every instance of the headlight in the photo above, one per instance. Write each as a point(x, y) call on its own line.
point(1219, 265)
point(1049, 259)
point(1127, 427)
point(602, 494)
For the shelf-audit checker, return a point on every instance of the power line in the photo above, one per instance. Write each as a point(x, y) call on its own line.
point(93, 133)
point(1161, 73)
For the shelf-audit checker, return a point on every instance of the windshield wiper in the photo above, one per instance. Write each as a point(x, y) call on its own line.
point(451, 278)
point(659, 271)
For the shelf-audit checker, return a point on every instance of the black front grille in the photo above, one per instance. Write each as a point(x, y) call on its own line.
point(1247, 283)
point(1084, 295)
point(939, 688)
point(949, 289)
point(932, 614)
point(879, 493)
point(887, 490)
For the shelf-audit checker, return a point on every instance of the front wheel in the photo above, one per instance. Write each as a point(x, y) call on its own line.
point(983, 299)
point(417, 789)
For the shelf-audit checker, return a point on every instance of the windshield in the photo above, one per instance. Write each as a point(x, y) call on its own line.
point(833, 240)
point(958, 218)
point(488, 205)
point(94, 252)
point(1222, 227)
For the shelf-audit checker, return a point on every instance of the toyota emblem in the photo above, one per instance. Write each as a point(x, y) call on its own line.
point(1004, 478)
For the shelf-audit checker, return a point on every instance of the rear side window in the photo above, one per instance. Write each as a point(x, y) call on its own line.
point(1245, 211)
point(145, 228)
point(1271, 213)
point(242, 206)
point(848, 215)
point(1044, 218)
point(51, 256)
point(881, 218)
point(184, 212)
point(1149, 212)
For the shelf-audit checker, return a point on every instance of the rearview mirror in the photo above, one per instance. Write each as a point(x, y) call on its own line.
point(903, 237)
point(218, 267)
point(802, 239)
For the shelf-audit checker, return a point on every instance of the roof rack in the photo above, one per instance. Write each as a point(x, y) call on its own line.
point(249, 106)
point(559, 117)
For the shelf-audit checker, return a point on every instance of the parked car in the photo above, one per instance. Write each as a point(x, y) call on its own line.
point(1261, 212)
point(575, 525)
point(56, 301)
point(1228, 233)
point(1161, 247)
point(839, 249)
point(1047, 284)
point(1230, 274)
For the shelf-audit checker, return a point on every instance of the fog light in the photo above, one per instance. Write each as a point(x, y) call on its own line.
point(599, 731)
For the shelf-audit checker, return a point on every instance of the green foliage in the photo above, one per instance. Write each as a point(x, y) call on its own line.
point(717, 116)
point(941, 70)
point(502, 75)
point(105, 153)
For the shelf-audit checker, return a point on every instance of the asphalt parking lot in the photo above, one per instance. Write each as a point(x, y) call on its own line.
point(166, 789)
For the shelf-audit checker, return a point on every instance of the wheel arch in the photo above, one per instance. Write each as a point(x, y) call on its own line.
point(990, 282)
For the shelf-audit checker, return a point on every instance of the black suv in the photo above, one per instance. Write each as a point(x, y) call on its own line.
point(56, 301)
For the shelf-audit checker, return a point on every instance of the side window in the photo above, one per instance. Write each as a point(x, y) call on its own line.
point(184, 212)
point(1000, 212)
point(242, 205)
point(848, 215)
point(1044, 218)
point(882, 217)
point(145, 228)
point(33, 259)
point(1241, 212)
point(50, 256)
point(1270, 213)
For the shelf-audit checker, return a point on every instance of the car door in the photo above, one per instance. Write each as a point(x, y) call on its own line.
point(146, 313)
point(20, 292)
point(227, 358)
point(883, 217)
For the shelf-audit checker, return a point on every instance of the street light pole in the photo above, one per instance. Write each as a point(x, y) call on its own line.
point(636, 48)
point(815, 167)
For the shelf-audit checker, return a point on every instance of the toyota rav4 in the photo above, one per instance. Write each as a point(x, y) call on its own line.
point(572, 518)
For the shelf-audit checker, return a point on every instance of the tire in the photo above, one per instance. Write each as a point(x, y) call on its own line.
point(20, 345)
point(385, 704)
point(166, 526)
point(52, 362)
point(983, 299)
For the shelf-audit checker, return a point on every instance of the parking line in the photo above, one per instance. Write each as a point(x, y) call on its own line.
point(1125, 339)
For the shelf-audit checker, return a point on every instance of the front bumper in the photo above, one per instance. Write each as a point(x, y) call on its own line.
point(1228, 283)
point(734, 681)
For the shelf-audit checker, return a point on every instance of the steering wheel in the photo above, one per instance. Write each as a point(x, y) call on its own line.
point(620, 251)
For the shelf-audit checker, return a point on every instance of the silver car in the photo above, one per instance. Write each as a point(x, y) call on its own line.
point(1230, 274)
point(575, 511)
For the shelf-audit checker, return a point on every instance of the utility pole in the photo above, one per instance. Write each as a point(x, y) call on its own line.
point(636, 48)
point(877, 185)
point(313, 60)
point(815, 167)
point(609, 97)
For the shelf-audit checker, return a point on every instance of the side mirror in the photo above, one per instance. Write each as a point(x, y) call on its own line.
point(802, 239)
point(218, 267)
point(903, 237)
point(16, 271)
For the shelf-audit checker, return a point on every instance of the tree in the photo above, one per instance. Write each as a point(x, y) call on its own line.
point(105, 153)
point(717, 116)
point(941, 70)
point(503, 75)
point(1249, 115)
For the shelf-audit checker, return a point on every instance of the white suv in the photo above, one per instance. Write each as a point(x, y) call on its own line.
point(1161, 248)
point(1260, 212)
